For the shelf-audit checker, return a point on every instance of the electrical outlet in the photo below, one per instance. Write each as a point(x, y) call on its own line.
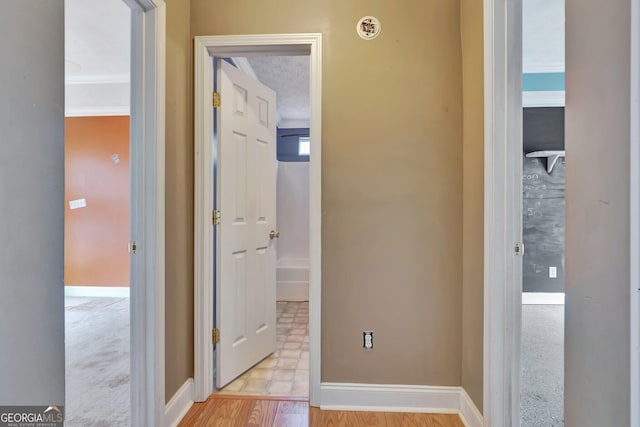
point(553, 272)
point(367, 340)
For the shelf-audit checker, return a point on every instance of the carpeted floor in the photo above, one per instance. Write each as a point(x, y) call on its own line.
point(542, 361)
point(97, 362)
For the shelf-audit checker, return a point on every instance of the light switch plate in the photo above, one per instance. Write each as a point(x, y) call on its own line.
point(553, 272)
point(78, 203)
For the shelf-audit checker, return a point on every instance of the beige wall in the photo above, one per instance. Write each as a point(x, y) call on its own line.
point(473, 197)
point(392, 180)
point(597, 209)
point(179, 199)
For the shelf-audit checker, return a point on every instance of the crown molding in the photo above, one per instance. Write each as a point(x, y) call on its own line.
point(97, 79)
point(97, 111)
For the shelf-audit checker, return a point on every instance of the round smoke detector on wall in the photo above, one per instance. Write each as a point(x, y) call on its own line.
point(368, 27)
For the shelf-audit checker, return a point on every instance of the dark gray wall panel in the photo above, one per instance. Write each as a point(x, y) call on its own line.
point(543, 225)
point(543, 128)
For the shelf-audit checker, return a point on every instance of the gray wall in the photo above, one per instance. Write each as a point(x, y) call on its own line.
point(597, 234)
point(543, 230)
point(542, 128)
point(32, 195)
point(288, 144)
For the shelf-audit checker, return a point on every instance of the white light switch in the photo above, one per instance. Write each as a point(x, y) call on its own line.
point(553, 272)
point(78, 203)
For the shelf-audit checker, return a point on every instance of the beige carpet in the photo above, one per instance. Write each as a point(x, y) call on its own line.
point(542, 386)
point(97, 362)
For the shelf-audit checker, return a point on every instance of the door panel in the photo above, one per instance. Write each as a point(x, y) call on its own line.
point(246, 260)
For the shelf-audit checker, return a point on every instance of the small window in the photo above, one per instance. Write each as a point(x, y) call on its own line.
point(304, 146)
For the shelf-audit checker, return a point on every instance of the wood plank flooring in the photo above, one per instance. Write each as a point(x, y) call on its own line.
point(247, 411)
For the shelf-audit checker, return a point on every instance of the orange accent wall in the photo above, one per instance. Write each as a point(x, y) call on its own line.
point(96, 236)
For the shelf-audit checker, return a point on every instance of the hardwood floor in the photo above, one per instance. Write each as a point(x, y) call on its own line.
point(245, 411)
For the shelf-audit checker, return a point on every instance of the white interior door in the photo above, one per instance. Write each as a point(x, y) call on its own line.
point(246, 192)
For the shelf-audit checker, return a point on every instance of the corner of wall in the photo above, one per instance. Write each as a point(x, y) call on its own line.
point(472, 36)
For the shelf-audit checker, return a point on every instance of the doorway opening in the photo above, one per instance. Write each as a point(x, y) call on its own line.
point(543, 214)
point(115, 198)
point(206, 49)
point(285, 371)
point(503, 216)
point(97, 212)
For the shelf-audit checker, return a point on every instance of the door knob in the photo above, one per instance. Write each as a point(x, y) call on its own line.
point(274, 234)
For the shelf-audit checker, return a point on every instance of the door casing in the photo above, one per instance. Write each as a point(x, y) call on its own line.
point(148, 35)
point(205, 47)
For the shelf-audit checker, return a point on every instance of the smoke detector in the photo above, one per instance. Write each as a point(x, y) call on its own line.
point(368, 27)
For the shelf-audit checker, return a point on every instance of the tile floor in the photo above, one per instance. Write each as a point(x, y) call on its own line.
point(286, 371)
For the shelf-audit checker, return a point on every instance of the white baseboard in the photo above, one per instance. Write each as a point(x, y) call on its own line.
point(292, 291)
point(400, 398)
point(543, 99)
point(471, 416)
point(179, 404)
point(97, 291)
point(541, 298)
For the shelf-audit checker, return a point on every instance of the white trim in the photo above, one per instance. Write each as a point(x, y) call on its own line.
point(148, 36)
point(292, 291)
point(203, 205)
point(543, 67)
point(551, 98)
point(121, 110)
point(400, 398)
point(97, 291)
point(179, 404)
point(634, 232)
point(502, 229)
point(250, 45)
point(243, 64)
point(293, 123)
point(544, 298)
point(97, 79)
point(469, 412)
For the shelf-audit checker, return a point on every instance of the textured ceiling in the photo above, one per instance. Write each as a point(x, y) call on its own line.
point(97, 57)
point(288, 76)
point(97, 39)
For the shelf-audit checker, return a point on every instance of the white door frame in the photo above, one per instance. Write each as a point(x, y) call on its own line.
point(634, 231)
point(502, 303)
point(502, 229)
point(249, 45)
point(148, 36)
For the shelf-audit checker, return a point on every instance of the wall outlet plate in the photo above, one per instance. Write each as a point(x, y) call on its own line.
point(367, 340)
point(553, 272)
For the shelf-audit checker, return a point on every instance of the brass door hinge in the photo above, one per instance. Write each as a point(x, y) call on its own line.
point(215, 217)
point(216, 100)
point(133, 246)
point(215, 335)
